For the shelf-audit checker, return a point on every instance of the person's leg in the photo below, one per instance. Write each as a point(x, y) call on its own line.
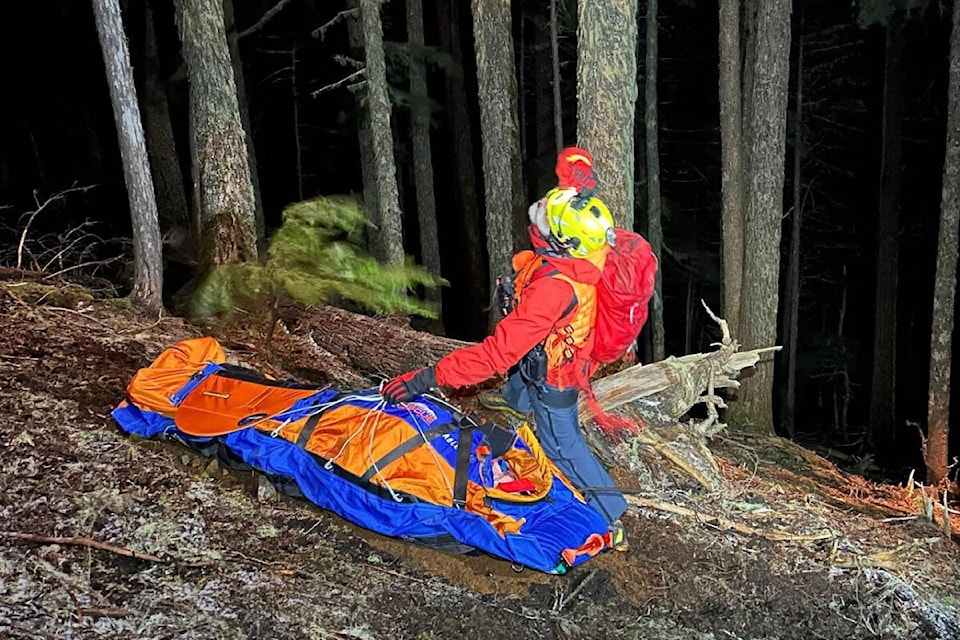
point(558, 431)
point(517, 394)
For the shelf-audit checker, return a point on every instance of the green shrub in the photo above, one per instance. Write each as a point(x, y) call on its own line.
point(317, 256)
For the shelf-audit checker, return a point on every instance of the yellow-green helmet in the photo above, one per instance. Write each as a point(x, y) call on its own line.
point(581, 225)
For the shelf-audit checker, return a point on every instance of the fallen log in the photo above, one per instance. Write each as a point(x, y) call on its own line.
point(657, 395)
point(373, 347)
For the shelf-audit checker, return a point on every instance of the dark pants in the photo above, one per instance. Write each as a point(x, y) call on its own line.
point(558, 431)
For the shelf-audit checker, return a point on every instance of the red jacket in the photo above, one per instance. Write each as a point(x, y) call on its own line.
point(541, 310)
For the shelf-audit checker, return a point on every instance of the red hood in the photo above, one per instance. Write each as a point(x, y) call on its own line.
point(579, 269)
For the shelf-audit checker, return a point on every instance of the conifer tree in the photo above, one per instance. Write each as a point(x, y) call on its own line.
point(607, 96)
point(945, 285)
point(148, 268)
point(222, 182)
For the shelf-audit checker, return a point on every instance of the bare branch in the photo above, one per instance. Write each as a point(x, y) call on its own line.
point(724, 523)
point(347, 61)
point(267, 17)
point(339, 83)
point(80, 542)
point(83, 264)
point(41, 207)
point(322, 29)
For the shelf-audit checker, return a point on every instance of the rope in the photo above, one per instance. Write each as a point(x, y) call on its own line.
point(433, 452)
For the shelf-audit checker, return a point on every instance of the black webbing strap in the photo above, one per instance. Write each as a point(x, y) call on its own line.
point(570, 307)
point(308, 429)
point(409, 445)
point(462, 473)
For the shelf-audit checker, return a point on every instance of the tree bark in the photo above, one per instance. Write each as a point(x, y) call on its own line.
point(607, 96)
point(233, 40)
point(765, 159)
point(945, 284)
point(654, 228)
point(295, 103)
point(148, 262)
point(557, 84)
point(422, 157)
point(368, 170)
point(168, 179)
point(522, 86)
point(365, 345)
point(465, 177)
point(543, 89)
point(497, 83)
point(731, 142)
point(791, 314)
point(224, 187)
point(883, 382)
point(388, 245)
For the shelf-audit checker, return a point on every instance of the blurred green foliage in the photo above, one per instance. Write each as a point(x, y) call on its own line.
point(317, 256)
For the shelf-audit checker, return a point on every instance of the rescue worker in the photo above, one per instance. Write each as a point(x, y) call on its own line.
point(545, 342)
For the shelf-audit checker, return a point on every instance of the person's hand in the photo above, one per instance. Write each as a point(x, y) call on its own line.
point(409, 386)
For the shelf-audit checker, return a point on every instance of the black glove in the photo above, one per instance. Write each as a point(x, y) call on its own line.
point(409, 386)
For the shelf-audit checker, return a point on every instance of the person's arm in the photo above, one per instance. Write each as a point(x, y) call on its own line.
point(541, 306)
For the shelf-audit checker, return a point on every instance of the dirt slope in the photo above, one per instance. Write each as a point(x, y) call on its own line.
point(237, 562)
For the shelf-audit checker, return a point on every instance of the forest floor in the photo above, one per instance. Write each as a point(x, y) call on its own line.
point(233, 560)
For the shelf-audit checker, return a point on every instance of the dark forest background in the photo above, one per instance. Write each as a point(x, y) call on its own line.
point(57, 132)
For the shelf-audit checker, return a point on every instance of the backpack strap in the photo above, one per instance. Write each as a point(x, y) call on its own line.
point(547, 270)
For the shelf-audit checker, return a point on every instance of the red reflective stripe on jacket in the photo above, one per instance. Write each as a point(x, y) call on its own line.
point(540, 308)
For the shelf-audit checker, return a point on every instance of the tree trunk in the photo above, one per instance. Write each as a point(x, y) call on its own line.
point(791, 314)
point(422, 158)
point(543, 89)
point(522, 87)
point(607, 96)
point(295, 102)
point(765, 159)
point(555, 59)
point(388, 246)
point(521, 221)
point(465, 176)
point(368, 169)
point(148, 266)
point(945, 284)
point(497, 85)
point(168, 182)
point(731, 142)
point(842, 422)
point(243, 103)
point(224, 187)
point(883, 382)
point(654, 229)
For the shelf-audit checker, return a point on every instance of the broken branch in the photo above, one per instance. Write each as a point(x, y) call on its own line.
point(80, 542)
point(724, 523)
point(322, 29)
point(338, 83)
point(41, 207)
point(103, 612)
point(267, 17)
